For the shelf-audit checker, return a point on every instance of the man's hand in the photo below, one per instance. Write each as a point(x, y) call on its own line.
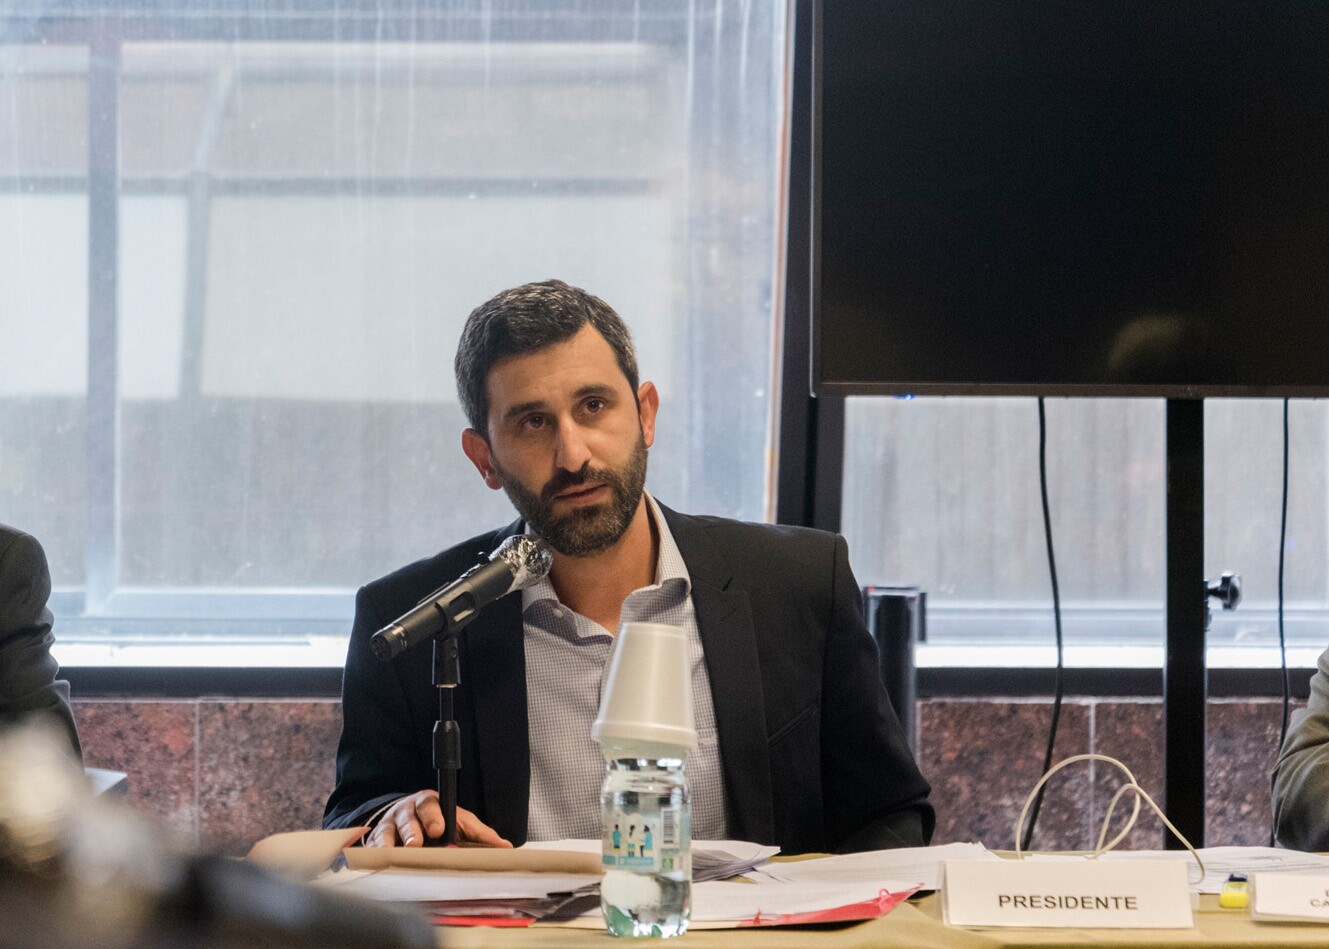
point(408, 821)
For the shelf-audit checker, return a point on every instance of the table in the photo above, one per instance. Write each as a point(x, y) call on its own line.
point(917, 925)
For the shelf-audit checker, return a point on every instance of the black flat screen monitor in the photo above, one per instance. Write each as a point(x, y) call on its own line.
point(1071, 197)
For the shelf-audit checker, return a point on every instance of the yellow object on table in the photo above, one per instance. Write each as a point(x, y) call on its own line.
point(1236, 892)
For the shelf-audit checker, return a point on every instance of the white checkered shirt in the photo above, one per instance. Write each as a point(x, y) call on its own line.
point(567, 656)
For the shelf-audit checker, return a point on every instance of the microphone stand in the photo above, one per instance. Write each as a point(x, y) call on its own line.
point(457, 605)
point(447, 734)
point(457, 615)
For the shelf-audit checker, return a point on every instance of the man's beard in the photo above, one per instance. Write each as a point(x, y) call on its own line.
point(586, 530)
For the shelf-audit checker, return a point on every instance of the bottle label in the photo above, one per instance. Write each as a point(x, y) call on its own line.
point(648, 841)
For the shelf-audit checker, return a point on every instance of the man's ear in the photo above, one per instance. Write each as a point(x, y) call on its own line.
point(648, 401)
point(477, 449)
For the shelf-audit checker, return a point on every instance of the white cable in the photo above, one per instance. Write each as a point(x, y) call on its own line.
point(1107, 819)
point(1131, 787)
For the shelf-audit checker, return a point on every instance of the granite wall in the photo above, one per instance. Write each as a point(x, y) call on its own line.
point(224, 772)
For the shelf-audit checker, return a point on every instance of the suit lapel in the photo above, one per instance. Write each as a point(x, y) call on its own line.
point(724, 619)
point(496, 665)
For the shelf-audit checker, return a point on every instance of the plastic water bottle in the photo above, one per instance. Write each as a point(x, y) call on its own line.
point(647, 847)
point(645, 730)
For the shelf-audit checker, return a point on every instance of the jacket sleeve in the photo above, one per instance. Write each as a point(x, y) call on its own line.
point(1301, 776)
point(875, 796)
point(28, 684)
point(377, 761)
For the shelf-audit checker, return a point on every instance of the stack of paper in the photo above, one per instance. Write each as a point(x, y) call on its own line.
point(534, 881)
point(725, 905)
point(1219, 862)
point(445, 886)
point(474, 895)
point(559, 879)
point(920, 867)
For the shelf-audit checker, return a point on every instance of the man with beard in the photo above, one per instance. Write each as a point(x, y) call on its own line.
point(798, 745)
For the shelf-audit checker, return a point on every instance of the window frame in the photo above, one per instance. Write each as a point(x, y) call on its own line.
point(104, 625)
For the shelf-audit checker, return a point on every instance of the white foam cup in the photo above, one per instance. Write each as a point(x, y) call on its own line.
point(646, 705)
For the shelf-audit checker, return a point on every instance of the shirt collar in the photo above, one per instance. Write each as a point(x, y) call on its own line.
point(670, 569)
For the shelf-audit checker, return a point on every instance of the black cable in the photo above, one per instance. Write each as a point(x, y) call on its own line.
point(1282, 548)
point(1056, 617)
point(1282, 638)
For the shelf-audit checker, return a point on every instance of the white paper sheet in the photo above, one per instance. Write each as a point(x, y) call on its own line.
point(433, 886)
point(913, 865)
point(1220, 861)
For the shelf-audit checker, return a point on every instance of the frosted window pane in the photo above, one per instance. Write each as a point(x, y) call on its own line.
point(943, 494)
point(306, 224)
point(44, 298)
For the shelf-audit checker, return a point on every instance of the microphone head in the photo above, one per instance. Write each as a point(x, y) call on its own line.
point(388, 643)
point(527, 556)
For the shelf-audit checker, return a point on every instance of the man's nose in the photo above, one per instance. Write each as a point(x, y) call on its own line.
point(571, 451)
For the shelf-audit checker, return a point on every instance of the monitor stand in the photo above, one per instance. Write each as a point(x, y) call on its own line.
point(1185, 675)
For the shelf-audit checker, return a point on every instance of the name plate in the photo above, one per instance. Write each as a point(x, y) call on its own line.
point(1076, 894)
point(1290, 896)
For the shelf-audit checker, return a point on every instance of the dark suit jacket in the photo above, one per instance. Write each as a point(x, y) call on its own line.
point(813, 757)
point(1301, 774)
point(28, 686)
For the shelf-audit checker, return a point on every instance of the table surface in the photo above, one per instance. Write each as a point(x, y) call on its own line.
point(918, 925)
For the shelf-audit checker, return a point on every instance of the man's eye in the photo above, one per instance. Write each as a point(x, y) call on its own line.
point(535, 422)
point(595, 405)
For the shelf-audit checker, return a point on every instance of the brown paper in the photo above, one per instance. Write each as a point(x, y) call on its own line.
point(304, 854)
point(488, 859)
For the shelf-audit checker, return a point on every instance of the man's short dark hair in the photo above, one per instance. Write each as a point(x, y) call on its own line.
point(523, 320)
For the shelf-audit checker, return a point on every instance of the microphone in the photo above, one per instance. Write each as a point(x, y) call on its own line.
point(518, 562)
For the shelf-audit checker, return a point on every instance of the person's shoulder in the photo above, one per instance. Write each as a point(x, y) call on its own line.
point(728, 527)
point(757, 540)
point(19, 549)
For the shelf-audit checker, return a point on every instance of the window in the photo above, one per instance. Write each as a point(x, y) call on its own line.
point(230, 309)
point(943, 494)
